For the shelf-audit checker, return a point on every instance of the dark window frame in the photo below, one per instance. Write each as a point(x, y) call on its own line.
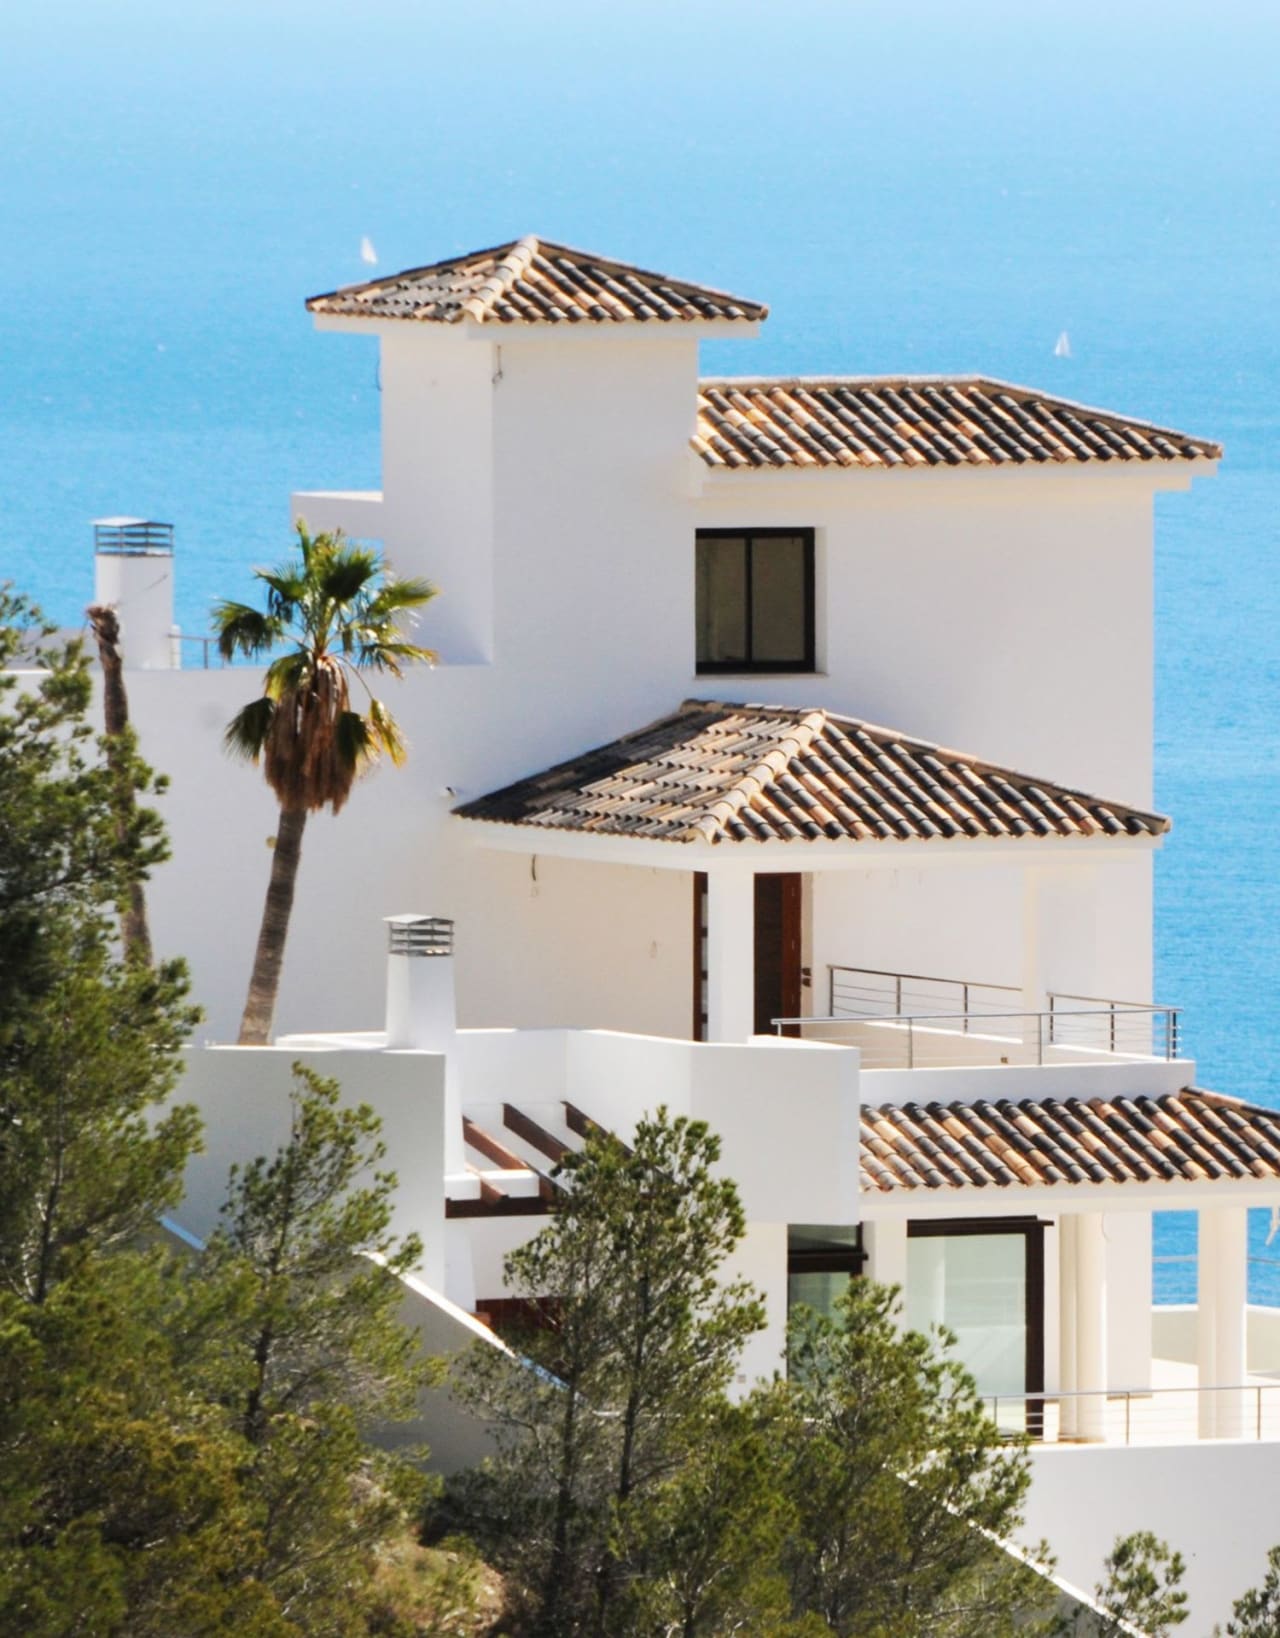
point(1032, 1230)
point(808, 663)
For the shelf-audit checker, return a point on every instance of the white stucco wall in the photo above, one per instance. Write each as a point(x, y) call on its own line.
point(545, 483)
point(1006, 613)
point(1217, 1503)
point(243, 1093)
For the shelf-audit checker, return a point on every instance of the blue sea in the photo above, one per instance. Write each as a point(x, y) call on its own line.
point(938, 186)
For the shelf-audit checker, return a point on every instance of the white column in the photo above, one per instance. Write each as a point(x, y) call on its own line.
point(1091, 1325)
point(885, 1242)
point(731, 953)
point(1221, 1318)
point(1068, 1419)
point(1033, 1000)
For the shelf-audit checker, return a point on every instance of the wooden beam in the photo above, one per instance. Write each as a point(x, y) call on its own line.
point(577, 1121)
point(538, 1136)
point(505, 1159)
point(506, 1205)
point(480, 1140)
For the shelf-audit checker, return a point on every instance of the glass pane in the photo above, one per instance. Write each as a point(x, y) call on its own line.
point(817, 1290)
point(778, 600)
point(722, 600)
point(975, 1285)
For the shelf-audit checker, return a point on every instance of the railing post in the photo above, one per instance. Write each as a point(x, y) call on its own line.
point(1112, 1011)
point(911, 1043)
point(964, 990)
point(897, 996)
point(1039, 1038)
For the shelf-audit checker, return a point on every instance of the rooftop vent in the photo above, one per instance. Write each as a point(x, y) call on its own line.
point(132, 537)
point(420, 935)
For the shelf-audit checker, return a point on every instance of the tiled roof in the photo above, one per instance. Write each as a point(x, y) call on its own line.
point(739, 773)
point(1190, 1135)
point(916, 422)
point(532, 281)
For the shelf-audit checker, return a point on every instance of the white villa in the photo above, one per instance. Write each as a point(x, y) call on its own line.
point(788, 762)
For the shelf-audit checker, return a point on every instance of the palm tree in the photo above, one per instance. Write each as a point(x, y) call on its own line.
point(135, 931)
point(332, 612)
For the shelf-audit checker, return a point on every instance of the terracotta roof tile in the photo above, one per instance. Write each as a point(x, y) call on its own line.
point(532, 281)
point(1190, 1135)
point(736, 773)
point(917, 422)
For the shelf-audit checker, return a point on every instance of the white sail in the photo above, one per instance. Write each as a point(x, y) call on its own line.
point(367, 252)
point(1062, 346)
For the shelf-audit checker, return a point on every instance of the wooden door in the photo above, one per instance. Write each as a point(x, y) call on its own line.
point(778, 951)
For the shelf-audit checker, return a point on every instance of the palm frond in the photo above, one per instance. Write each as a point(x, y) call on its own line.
point(385, 732)
point(288, 672)
point(379, 654)
point(346, 571)
point(244, 630)
point(286, 587)
point(353, 741)
point(395, 596)
point(248, 730)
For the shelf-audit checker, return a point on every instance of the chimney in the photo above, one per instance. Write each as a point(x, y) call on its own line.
point(421, 1010)
point(133, 573)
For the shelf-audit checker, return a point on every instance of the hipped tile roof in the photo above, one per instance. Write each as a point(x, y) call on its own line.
point(532, 281)
point(1189, 1135)
point(739, 773)
point(883, 422)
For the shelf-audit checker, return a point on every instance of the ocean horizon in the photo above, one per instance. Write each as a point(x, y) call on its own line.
point(948, 193)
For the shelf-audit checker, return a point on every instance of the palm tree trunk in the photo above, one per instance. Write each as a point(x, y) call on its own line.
point(260, 1006)
point(135, 934)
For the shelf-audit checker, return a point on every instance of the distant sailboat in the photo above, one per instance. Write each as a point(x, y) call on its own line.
point(1062, 346)
point(367, 253)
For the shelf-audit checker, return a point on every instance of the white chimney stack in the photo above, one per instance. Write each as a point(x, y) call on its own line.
point(133, 574)
point(422, 1012)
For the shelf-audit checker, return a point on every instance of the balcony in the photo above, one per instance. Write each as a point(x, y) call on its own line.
point(911, 1021)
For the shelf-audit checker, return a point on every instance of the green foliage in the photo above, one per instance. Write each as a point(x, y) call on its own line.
point(89, 1045)
point(72, 837)
point(640, 1343)
point(1142, 1590)
point(306, 1351)
point(1256, 1614)
point(901, 1483)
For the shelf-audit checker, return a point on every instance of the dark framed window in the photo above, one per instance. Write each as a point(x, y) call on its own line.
point(755, 600)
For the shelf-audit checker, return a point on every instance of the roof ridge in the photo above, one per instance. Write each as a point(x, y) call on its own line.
point(758, 777)
point(507, 270)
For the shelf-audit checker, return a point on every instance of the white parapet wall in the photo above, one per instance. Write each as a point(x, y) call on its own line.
point(786, 1112)
point(1217, 1503)
point(243, 1095)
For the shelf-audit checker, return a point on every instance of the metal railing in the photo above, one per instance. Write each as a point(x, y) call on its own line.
point(207, 644)
point(866, 992)
point(1141, 1416)
point(948, 1039)
point(1064, 1007)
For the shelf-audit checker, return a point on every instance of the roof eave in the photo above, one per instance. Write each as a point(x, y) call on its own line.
point(821, 853)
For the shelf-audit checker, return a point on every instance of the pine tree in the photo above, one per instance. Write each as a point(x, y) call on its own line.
point(639, 1342)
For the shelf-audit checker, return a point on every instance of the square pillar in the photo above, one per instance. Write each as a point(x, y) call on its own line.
point(731, 953)
point(1034, 1033)
point(1221, 1318)
point(1068, 1405)
point(1091, 1325)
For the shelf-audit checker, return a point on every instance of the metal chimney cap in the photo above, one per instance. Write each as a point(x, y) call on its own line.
point(419, 935)
point(132, 537)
